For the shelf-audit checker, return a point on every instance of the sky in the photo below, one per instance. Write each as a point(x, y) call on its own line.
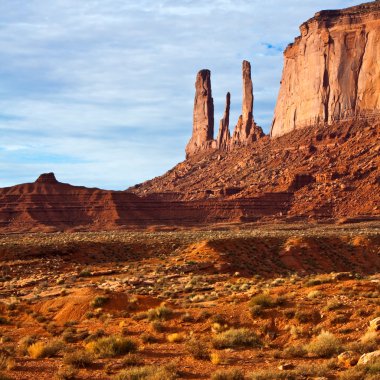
point(101, 92)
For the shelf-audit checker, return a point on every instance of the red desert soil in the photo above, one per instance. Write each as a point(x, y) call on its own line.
point(71, 287)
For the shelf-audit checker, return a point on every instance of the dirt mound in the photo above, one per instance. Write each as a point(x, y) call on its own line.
point(79, 302)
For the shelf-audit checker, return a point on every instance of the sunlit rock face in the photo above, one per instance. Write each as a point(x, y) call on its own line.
point(332, 71)
point(203, 116)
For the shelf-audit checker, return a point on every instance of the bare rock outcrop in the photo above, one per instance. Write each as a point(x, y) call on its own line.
point(203, 117)
point(332, 71)
point(47, 178)
point(246, 129)
point(224, 136)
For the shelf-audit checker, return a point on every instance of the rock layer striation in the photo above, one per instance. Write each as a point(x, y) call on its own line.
point(332, 71)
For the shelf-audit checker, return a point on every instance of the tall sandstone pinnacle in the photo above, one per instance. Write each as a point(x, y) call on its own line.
point(332, 71)
point(246, 129)
point(203, 117)
point(223, 139)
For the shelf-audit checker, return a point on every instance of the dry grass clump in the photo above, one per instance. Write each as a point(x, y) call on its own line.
point(148, 338)
point(232, 374)
point(7, 362)
point(112, 346)
point(160, 313)
point(325, 345)
point(132, 360)
point(302, 372)
point(67, 373)
point(198, 349)
point(175, 338)
point(78, 359)
point(370, 341)
point(264, 300)
point(168, 372)
point(24, 343)
point(40, 350)
point(236, 338)
point(294, 352)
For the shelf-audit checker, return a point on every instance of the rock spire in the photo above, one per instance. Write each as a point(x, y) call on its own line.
point(203, 115)
point(223, 139)
point(246, 129)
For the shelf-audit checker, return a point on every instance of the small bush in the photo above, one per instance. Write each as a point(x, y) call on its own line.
point(79, 358)
point(3, 321)
point(324, 345)
point(99, 301)
point(334, 305)
point(175, 338)
point(352, 374)
point(160, 313)
point(233, 374)
point(168, 372)
point(45, 350)
point(24, 343)
point(148, 338)
point(198, 349)
point(294, 352)
point(109, 347)
point(236, 338)
point(264, 300)
point(7, 362)
point(256, 311)
point(67, 373)
point(158, 326)
point(132, 360)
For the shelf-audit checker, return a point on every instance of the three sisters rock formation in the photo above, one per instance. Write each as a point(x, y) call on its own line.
point(246, 129)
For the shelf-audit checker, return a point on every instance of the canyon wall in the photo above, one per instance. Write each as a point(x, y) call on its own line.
point(332, 71)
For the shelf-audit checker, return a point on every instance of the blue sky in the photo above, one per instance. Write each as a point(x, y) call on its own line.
point(101, 92)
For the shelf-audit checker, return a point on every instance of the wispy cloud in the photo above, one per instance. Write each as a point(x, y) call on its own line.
point(101, 92)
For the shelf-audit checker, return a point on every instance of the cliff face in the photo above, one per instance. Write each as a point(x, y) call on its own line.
point(332, 71)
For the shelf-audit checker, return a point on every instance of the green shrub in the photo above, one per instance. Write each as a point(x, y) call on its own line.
point(67, 373)
point(111, 346)
point(79, 358)
point(198, 349)
point(264, 300)
point(160, 313)
point(99, 301)
point(324, 345)
point(236, 338)
point(294, 352)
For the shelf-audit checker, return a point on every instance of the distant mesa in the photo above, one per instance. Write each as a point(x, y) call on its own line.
point(246, 130)
point(47, 178)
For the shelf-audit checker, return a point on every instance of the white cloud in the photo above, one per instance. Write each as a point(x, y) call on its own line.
point(95, 89)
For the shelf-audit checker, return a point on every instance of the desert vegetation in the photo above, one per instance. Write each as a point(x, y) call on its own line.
point(187, 304)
